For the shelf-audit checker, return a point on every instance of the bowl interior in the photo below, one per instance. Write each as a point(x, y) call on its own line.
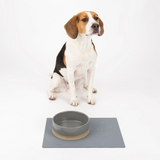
point(71, 119)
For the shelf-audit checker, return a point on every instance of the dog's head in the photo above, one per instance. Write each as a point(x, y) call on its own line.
point(87, 23)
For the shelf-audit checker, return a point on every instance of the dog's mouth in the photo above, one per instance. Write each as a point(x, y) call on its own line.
point(94, 32)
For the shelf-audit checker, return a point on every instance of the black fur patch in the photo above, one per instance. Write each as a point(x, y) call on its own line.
point(59, 61)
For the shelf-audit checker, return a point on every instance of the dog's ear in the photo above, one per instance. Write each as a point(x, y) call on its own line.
point(101, 27)
point(71, 27)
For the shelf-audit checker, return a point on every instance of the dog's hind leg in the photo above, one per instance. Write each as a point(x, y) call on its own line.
point(56, 79)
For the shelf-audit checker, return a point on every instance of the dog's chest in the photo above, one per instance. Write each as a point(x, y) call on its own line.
point(81, 70)
point(85, 61)
point(79, 59)
point(82, 61)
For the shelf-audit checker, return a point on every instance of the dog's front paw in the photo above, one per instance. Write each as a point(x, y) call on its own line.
point(91, 100)
point(74, 102)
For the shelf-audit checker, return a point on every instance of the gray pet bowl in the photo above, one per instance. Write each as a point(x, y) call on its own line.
point(70, 125)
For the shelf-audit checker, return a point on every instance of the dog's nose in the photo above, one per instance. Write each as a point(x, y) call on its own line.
point(95, 26)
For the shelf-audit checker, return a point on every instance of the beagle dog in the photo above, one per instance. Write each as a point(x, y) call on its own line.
point(75, 63)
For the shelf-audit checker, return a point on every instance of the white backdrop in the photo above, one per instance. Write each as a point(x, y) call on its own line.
point(127, 75)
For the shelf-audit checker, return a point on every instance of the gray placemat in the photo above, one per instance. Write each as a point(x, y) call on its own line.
point(104, 133)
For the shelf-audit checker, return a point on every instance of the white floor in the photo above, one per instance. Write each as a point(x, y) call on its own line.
point(25, 107)
point(127, 77)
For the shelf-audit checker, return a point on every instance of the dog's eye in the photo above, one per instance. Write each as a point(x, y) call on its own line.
point(96, 18)
point(85, 19)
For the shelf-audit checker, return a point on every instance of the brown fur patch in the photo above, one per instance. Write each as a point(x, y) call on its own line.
point(101, 25)
point(71, 27)
point(94, 47)
point(94, 14)
point(82, 25)
point(64, 60)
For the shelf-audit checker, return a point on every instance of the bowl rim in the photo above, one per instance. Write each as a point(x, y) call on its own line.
point(70, 127)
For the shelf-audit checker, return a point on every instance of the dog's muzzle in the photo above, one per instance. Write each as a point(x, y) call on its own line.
point(95, 28)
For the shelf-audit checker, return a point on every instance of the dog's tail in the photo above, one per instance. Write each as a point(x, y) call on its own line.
point(51, 75)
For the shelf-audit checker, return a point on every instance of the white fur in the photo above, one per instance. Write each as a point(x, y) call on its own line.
point(80, 60)
point(89, 30)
